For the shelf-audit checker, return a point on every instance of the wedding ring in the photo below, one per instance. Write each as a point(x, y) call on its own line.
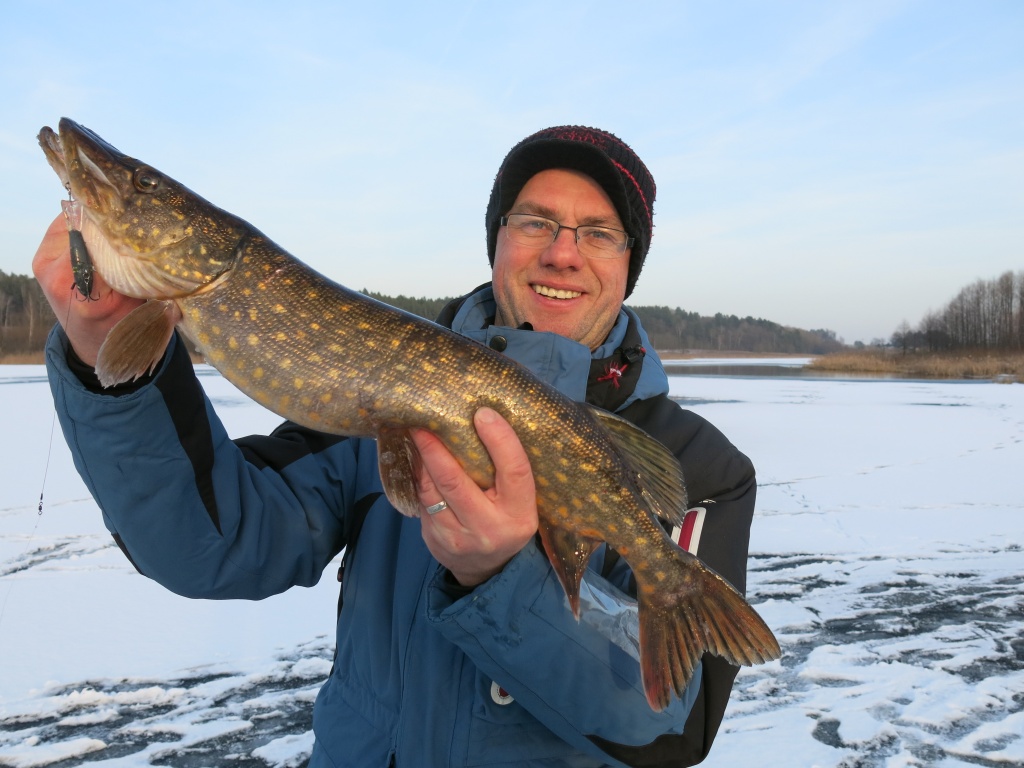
point(433, 509)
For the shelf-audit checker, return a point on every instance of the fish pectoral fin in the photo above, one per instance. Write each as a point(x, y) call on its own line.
point(658, 476)
point(569, 554)
point(703, 614)
point(398, 462)
point(136, 344)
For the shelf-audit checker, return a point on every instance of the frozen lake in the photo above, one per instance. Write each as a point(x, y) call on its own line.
point(887, 554)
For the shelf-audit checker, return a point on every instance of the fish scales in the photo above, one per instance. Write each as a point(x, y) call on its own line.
point(335, 360)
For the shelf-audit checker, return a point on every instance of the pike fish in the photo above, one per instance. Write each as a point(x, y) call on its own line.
point(337, 361)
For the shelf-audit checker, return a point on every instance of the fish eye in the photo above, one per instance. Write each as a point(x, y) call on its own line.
point(146, 180)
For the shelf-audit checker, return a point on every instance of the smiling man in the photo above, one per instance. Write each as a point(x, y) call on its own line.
point(455, 645)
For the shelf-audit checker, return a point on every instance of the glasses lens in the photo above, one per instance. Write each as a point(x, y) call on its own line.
point(528, 229)
point(601, 242)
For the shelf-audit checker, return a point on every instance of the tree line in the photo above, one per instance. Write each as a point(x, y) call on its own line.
point(25, 315)
point(26, 318)
point(986, 316)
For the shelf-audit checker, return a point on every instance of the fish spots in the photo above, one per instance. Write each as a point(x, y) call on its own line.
point(298, 383)
point(561, 477)
point(253, 340)
point(257, 373)
point(325, 398)
point(280, 309)
point(233, 342)
point(253, 314)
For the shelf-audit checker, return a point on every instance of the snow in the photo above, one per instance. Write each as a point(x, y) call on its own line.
point(887, 553)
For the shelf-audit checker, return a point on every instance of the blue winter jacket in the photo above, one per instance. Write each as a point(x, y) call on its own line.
point(426, 673)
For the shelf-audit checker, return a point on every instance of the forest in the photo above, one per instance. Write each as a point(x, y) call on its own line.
point(985, 316)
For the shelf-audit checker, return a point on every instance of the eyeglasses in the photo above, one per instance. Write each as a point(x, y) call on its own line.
point(540, 232)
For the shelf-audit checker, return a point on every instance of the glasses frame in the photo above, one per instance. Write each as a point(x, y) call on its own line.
point(576, 235)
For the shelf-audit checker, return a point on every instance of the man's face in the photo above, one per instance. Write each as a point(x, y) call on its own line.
point(554, 288)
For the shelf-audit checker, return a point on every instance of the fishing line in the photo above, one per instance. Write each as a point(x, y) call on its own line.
point(42, 490)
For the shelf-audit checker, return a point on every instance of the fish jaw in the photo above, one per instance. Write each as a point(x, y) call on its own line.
point(149, 236)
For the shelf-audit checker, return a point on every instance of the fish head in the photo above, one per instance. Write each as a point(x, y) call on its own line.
point(148, 235)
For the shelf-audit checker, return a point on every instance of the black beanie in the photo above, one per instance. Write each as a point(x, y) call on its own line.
point(602, 156)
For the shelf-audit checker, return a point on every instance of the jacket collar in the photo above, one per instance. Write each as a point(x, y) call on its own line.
point(623, 369)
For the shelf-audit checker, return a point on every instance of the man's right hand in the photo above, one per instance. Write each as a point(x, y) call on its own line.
point(85, 322)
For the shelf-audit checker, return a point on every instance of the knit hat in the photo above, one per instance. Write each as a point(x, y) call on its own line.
point(602, 156)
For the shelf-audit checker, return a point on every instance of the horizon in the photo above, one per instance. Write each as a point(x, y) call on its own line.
point(845, 167)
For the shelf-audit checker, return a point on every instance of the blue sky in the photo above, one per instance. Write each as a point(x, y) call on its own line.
point(840, 165)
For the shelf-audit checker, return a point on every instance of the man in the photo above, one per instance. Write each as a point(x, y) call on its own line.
point(454, 642)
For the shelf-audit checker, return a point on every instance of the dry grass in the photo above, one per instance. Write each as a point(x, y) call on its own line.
point(23, 358)
point(1003, 367)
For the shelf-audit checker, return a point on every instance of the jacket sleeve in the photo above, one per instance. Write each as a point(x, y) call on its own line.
point(581, 679)
point(198, 513)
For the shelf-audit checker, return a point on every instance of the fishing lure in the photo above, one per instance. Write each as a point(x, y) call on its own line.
point(81, 263)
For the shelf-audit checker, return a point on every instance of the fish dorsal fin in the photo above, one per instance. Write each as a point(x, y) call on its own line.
point(136, 343)
point(658, 476)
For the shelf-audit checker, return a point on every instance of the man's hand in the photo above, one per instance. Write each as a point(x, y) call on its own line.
point(85, 322)
point(480, 531)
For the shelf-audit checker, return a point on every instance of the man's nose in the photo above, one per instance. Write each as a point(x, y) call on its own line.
point(563, 251)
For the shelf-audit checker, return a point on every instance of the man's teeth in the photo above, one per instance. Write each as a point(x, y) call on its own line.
point(555, 293)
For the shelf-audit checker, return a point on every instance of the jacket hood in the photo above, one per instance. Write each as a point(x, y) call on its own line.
point(622, 370)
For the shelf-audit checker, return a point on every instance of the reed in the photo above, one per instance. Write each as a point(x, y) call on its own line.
point(23, 358)
point(1006, 366)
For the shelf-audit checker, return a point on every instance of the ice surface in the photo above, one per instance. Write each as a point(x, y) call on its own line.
point(887, 553)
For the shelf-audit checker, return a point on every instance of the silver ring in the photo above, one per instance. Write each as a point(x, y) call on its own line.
point(433, 509)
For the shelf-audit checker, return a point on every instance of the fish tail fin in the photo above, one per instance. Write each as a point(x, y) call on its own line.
point(705, 615)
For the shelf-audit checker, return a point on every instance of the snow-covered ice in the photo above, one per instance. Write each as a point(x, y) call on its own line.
point(887, 553)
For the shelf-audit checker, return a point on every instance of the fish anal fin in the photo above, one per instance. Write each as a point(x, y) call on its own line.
point(569, 554)
point(657, 474)
point(136, 344)
point(704, 614)
point(398, 462)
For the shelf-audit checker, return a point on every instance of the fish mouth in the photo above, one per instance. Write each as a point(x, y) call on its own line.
point(137, 242)
point(554, 293)
point(94, 172)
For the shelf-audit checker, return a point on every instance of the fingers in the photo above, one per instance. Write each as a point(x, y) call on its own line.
point(478, 531)
point(513, 475)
